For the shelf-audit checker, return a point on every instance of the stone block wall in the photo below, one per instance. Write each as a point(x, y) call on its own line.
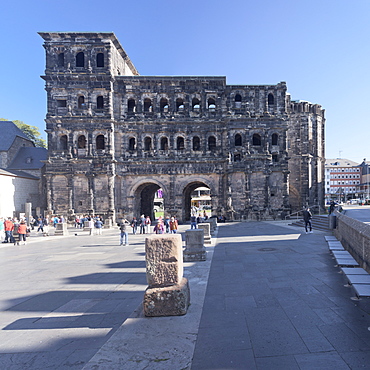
point(355, 237)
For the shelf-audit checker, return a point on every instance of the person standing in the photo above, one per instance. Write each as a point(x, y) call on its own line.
point(134, 225)
point(142, 224)
point(9, 228)
point(307, 216)
point(173, 225)
point(148, 222)
point(124, 234)
point(40, 225)
point(22, 231)
point(167, 224)
point(193, 222)
point(159, 228)
point(98, 226)
point(2, 233)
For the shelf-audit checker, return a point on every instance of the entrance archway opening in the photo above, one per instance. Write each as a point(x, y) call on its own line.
point(197, 200)
point(147, 195)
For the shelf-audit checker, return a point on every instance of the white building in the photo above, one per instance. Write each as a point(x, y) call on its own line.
point(342, 179)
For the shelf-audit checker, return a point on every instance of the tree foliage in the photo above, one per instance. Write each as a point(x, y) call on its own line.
point(32, 132)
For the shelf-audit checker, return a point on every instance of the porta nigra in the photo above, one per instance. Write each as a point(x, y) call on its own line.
point(116, 137)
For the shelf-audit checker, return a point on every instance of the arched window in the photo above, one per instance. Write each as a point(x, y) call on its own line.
point(132, 144)
point(61, 60)
point(80, 59)
point(131, 105)
point(195, 105)
point(212, 143)
point(211, 104)
point(238, 140)
point(270, 100)
point(164, 143)
point(256, 140)
point(147, 143)
point(196, 143)
point(238, 101)
point(274, 139)
point(100, 102)
point(81, 102)
point(180, 143)
point(81, 142)
point(148, 105)
point(163, 105)
point(100, 60)
point(179, 105)
point(63, 142)
point(100, 144)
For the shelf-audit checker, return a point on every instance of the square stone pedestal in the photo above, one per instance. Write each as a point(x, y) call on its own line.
point(171, 300)
point(194, 250)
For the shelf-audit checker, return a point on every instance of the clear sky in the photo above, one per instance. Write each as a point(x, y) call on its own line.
point(321, 48)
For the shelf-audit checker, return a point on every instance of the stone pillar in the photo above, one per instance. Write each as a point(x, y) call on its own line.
point(194, 250)
point(168, 291)
point(207, 234)
point(61, 229)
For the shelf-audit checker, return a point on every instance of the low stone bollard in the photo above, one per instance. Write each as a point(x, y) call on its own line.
point(107, 223)
point(207, 235)
point(194, 241)
point(168, 292)
point(61, 229)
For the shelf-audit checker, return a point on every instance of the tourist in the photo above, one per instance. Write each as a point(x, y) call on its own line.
point(159, 228)
point(142, 224)
point(173, 225)
point(40, 225)
point(148, 222)
point(193, 222)
point(22, 232)
point(98, 226)
point(307, 216)
point(134, 225)
point(124, 235)
point(9, 228)
point(167, 224)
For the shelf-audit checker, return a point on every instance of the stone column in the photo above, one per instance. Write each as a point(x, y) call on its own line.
point(194, 250)
point(207, 235)
point(168, 291)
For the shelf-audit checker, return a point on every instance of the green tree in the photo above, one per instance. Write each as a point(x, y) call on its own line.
point(32, 132)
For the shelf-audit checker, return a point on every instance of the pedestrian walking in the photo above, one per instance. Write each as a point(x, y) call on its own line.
point(142, 224)
point(124, 234)
point(40, 225)
point(159, 228)
point(193, 222)
point(9, 228)
point(307, 216)
point(173, 225)
point(22, 232)
point(134, 225)
point(167, 224)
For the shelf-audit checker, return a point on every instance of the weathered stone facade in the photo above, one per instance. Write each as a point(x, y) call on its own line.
point(115, 137)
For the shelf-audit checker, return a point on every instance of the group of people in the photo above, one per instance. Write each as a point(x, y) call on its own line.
point(163, 226)
point(13, 230)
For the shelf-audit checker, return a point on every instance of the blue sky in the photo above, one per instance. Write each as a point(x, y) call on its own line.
point(320, 48)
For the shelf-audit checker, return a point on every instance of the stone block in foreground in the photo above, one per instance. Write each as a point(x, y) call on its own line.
point(168, 293)
point(172, 300)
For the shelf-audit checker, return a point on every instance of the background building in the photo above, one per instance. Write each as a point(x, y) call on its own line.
point(21, 172)
point(115, 138)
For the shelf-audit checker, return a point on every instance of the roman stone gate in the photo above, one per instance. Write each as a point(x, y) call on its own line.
point(115, 138)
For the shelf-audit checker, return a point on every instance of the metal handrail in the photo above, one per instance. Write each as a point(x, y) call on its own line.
point(292, 214)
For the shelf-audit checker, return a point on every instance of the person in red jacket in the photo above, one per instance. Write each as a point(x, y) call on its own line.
point(22, 231)
point(9, 227)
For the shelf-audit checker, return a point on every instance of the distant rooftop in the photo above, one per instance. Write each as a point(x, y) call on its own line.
point(29, 158)
point(9, 131)
point(340, 162)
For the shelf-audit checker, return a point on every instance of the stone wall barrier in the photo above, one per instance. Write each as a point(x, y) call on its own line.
point(168, 292)
point(207, 232)
point(194, 241)
point(355, 238)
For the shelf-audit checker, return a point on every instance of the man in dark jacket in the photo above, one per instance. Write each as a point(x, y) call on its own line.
point(307, 219)
point(124, 234)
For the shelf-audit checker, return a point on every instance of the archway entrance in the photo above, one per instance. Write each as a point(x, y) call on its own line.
point(145, 195)
point(197, 200)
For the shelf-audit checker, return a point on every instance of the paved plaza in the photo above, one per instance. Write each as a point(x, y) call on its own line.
point(268, 297)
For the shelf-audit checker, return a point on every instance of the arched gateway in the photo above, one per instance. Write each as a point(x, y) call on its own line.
point(115, 138)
